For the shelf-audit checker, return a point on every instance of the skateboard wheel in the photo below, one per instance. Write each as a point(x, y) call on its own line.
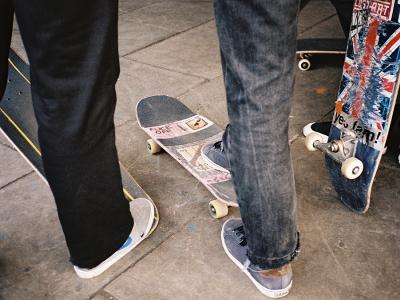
point(152, 146)
point(311, 140)
point(217, 209)
point(352, 168)
point(304, 64)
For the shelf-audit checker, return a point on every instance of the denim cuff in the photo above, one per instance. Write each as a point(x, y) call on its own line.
point(262, 263)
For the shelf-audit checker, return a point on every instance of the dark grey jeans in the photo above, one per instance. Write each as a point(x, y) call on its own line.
point(73, 53)
point(258, 44)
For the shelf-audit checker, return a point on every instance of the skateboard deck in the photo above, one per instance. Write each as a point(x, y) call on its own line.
point(18, 124)
point(182, 133)
point(306, 48)
point(365, 103)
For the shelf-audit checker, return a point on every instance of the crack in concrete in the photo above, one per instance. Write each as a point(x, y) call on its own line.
point(15, 180)
point(103, 294)
point(166, 38)
point(318, 23)
point(167, 69)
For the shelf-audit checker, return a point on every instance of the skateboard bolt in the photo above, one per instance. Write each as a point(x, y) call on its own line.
point(334, 147)
point(356, 170)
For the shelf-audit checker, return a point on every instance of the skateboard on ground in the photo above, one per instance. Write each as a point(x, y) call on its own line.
point(182, 133)
point(19, 126)
point(306, 48)
point(365, 103)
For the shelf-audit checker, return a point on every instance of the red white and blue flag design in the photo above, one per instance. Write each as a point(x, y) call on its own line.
point(370, 72)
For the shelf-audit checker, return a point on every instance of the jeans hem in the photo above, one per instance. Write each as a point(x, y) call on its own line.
point(263, 263)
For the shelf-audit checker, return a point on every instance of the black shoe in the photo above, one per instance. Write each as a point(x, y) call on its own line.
point(322, 128)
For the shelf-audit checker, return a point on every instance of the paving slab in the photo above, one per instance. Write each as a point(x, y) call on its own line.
point(129, 5)
point(193, 52)
point(4, 141)
point(102, 295)
point(139, 80)
point(11, 162)
point(208, 99)
point(362, 245)
point(316, 12)
point(134, 35)
point(342, 257)
point(16, 42)
point(176, 15)
point(329, 28)
point(33, 255)
point(154, 23)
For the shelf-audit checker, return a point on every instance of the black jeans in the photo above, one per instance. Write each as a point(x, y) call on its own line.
point(73, 54)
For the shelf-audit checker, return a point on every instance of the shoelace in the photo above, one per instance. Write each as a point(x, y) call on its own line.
point(239, 232)
point(219, 145)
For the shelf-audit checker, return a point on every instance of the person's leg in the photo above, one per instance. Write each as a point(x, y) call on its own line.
point(6, 21)
point(258, 45)
point(72, 49)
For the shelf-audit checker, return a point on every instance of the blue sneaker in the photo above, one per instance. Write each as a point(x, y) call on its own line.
point(272, 283)
point(142, 211)
point(215, 156)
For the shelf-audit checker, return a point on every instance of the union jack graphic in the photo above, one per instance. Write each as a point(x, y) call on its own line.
point(370, 72)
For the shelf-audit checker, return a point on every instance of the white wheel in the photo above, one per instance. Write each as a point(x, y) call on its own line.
point(217, 209)
point(352, 168)
point(152, 147)
point(304, 64)
point(311, 140)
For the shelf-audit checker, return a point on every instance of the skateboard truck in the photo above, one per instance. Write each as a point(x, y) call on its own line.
point(342, 151)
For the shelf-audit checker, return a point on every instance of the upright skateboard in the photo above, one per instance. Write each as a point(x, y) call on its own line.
point(182, 133)
point(19, 126)
point(365, 104)
point(306, 48)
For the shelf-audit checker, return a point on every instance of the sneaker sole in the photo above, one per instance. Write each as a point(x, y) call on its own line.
point(140, 234)
point(211, 163)
point(267, 292)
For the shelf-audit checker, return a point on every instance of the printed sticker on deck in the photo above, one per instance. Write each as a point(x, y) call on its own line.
point(382, 9)
point(179, 128)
